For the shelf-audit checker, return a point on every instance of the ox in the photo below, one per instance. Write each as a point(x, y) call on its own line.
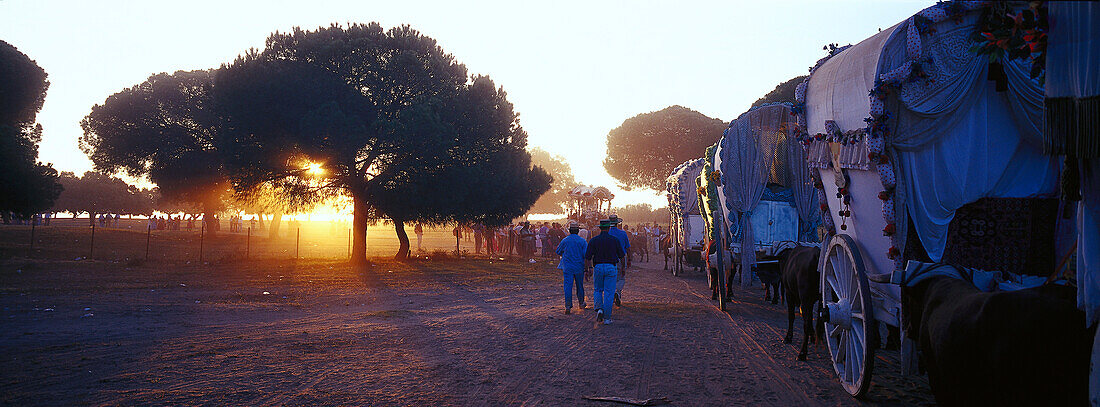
point(801, 285)
point(768, 269)
point(1027, 347)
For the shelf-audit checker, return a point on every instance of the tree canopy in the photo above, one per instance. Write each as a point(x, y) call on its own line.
point(554, 200)
point(642, 152)
point(385, 117)
point(784, 92)
point(164, 129)
point(635, 214)
point(26, 185)
point(95, 193)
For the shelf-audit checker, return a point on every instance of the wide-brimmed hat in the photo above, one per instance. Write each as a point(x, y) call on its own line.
point(607, 223)
point(614, 219)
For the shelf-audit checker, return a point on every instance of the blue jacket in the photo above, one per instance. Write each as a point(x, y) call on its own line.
point(623, 238)
point(605, 249)
point(571, 249)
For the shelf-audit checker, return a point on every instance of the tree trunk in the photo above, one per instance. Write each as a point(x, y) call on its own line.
point(359, 231)
point(260, 218)
point(403, 238)
point(276, 220)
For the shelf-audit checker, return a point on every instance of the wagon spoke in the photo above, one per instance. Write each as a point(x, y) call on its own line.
point(856, 349)
point(841, 273)
point(857, 329)
point(833, 284)
point(849, 367)
point(842, 353)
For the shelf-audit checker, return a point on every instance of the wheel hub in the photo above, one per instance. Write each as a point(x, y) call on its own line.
point(839, 313)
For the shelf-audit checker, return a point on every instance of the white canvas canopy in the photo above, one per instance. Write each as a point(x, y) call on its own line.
point(757, 149)
point(952, 138)
point(683, 197)
point(683, 202)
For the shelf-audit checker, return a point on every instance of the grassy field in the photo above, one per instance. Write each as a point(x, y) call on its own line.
point(71, 239)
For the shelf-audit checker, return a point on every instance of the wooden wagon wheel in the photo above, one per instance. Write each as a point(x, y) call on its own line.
point(850, 328)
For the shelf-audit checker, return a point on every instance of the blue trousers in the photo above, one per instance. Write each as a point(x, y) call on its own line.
point(571, 280)
point(603, 278)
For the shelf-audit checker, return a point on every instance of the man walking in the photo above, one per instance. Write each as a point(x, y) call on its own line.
point(624, 240)
point(604, 251)
point(572, 249)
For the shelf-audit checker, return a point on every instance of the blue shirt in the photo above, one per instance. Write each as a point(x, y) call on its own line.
point(571, 249)
point(623, 238)
point(604, 249)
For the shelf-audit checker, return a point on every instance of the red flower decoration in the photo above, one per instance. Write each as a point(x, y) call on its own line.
point(883, 195)
point(889, 230)
point(824, 207)
point(893, 253)
point(843, 191)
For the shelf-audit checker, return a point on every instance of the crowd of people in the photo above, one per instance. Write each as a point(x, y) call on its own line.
point(540, 240)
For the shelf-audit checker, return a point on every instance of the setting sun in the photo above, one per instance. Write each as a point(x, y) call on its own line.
point(314, 169)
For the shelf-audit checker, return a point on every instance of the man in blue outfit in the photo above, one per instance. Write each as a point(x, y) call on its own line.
point(625, 242)
point(604, 251)
point(572, 250)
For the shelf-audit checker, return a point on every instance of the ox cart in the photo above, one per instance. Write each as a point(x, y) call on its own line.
point(686, 223)
point(764, 192)
point(918, 157)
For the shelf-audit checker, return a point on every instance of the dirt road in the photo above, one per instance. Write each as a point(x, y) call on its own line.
point(469, 332)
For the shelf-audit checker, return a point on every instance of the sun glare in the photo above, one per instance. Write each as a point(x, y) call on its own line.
point(314, 169)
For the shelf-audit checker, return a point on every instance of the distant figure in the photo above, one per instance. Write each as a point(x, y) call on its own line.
point(527, 240)
point(419, 230)
point(572, 250)
point(556, 235)
point(543, 236)
point(490, 238)
point(584, 233)
point(479, 234)
point(625, 241)
point(604, 251)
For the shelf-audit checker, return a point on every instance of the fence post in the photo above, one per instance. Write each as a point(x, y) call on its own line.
point(297, 239)
point(248, 243)
point(32, 239)
point(91, 247)
point(148, 236)
point(202, 233)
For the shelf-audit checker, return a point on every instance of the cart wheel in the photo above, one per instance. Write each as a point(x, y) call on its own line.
point(850, 328)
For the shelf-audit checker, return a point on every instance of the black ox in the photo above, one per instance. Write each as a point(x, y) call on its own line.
point(802, 288)
point(1010, 348)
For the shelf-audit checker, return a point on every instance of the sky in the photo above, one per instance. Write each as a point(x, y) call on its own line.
point(573, 69)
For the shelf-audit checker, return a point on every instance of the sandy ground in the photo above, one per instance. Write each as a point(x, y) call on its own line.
point(469, 332)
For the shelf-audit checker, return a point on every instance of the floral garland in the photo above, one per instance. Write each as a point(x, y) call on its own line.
point(798, 110)
point(677, 190)
point(878, 128)
point(1005, 34)
point(878, 124)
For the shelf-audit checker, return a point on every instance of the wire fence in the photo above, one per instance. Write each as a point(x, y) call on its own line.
point(133, 240)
